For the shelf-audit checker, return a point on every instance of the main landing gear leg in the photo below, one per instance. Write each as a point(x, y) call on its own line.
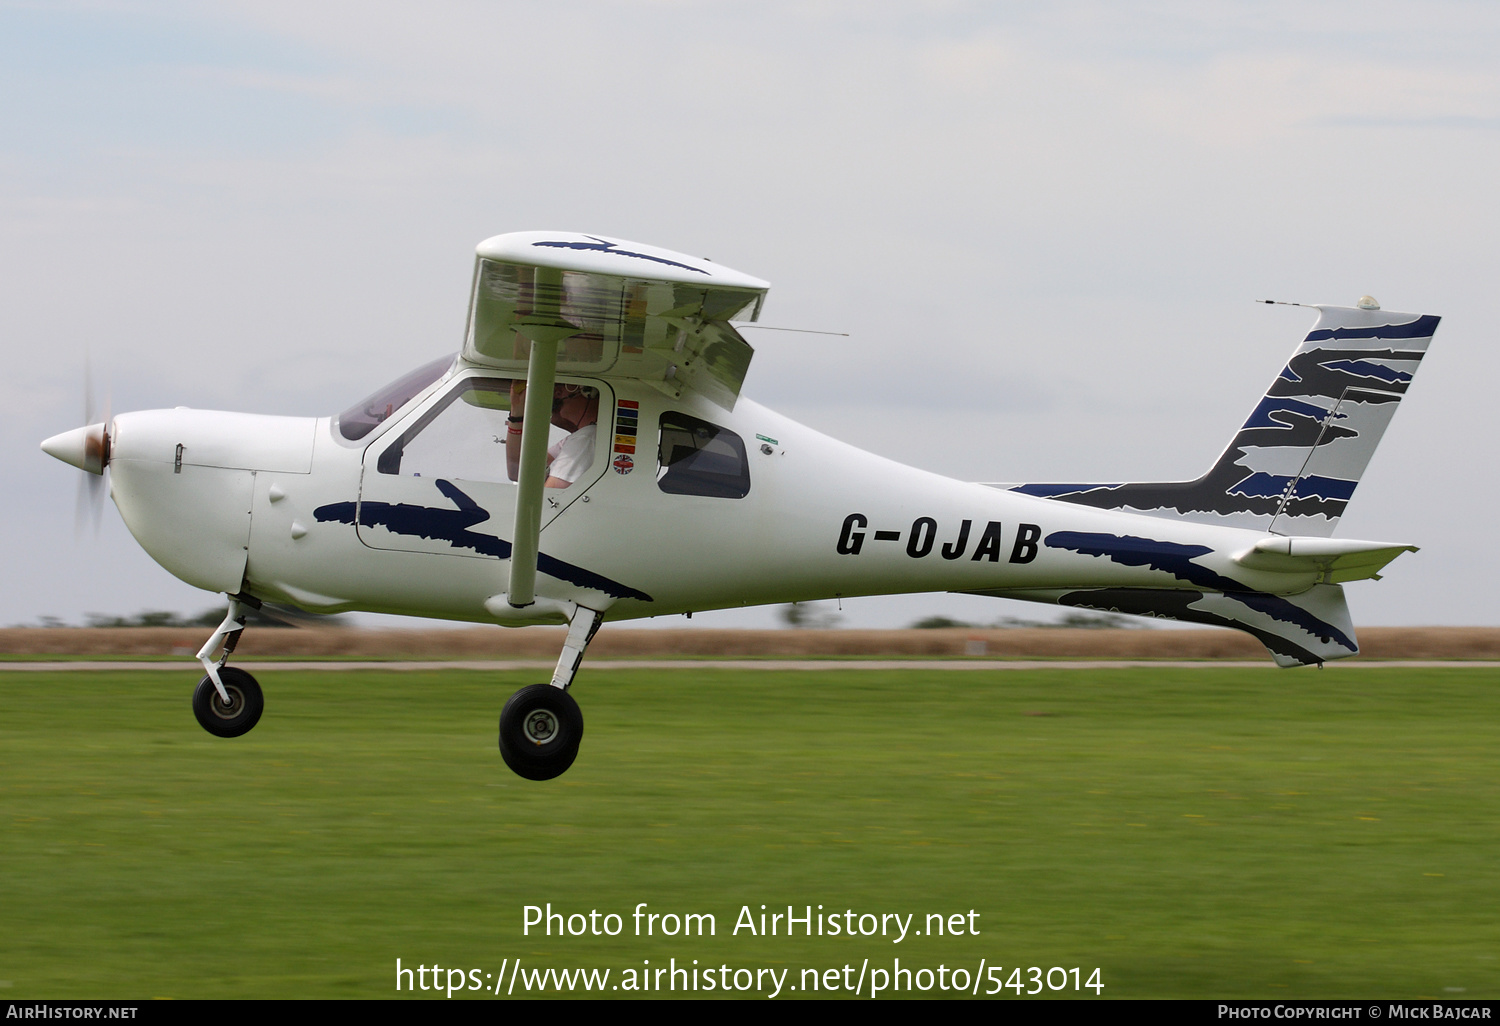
point(228, 701)
point(541, 725)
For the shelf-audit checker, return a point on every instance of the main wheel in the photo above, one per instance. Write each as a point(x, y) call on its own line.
point(540, 728)
point(243, 711)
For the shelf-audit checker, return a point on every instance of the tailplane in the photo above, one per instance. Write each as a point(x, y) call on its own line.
point(1293, 466)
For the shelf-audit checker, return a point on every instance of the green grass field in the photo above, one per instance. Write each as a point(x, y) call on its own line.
point(1191, 833)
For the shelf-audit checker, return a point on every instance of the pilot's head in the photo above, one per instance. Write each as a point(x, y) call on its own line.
point(574, 406)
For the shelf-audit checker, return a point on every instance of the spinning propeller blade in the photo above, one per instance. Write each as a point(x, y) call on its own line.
point(86, 448)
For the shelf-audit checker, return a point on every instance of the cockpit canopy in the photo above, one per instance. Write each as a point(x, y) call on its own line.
point(372, 411)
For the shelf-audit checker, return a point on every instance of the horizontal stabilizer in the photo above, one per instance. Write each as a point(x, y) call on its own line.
point(1336, 561)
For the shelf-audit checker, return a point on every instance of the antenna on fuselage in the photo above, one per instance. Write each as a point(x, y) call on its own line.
point(805, 331)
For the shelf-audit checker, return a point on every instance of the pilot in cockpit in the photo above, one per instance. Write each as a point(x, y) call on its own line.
point(575, 409)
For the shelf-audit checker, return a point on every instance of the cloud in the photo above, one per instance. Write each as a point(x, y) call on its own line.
point(1056, 213)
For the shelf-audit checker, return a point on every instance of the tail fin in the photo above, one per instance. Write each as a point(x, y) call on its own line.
point(1294, 465)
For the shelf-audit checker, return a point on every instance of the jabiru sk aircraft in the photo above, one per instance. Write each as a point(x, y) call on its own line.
point(586, 456)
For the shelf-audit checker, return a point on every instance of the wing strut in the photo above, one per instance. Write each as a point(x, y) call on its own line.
point(541, 371)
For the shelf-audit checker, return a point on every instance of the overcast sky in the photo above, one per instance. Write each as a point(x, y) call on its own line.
point(1042, 225)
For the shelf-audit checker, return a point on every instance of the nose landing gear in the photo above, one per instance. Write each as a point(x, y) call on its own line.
point(236, 716)
point(228, 701)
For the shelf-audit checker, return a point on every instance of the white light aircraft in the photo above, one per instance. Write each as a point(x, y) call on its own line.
point(586, 457)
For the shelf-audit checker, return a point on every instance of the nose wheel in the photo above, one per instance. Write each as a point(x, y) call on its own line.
point(540, 728)
point(236, 716)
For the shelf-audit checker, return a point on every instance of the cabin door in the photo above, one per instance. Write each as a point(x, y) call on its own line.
point(440, 482)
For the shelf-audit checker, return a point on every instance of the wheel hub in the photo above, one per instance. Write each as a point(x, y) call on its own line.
point(232, 709)
point(540, 726)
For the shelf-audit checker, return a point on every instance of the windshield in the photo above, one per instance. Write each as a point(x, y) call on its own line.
point(364, 416)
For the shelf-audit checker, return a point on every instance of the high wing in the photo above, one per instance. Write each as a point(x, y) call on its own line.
point(544, 302)
point(614, 309)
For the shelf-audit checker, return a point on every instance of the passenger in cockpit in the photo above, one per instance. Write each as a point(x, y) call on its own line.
point(575, 409)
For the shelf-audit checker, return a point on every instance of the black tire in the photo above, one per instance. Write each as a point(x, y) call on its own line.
point(540, 728)
point(246, 703)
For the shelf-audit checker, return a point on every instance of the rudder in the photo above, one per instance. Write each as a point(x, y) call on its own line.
point(1293, 467)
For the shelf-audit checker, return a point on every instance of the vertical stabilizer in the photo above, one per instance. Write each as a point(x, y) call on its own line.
point(1295, 463)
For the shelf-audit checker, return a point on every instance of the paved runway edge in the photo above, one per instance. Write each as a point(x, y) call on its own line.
point(430, 665)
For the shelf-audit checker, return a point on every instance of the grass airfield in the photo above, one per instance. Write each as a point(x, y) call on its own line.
point(1203, 833)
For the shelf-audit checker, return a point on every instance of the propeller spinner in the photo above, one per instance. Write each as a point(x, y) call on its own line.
point(88, 449)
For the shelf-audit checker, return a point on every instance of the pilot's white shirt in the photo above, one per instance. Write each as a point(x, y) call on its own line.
point(574, 455)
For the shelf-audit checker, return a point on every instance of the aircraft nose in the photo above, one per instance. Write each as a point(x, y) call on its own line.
point(86, 448)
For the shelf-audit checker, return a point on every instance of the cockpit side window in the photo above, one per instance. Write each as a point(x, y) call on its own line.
point(372, 411)
point(457, 439)
point(469, 434)
point(699, 458)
